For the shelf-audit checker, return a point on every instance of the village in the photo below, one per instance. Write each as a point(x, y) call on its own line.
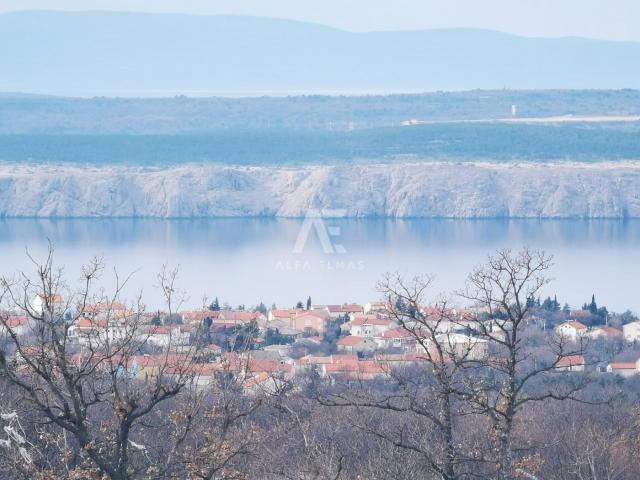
point(266, 348)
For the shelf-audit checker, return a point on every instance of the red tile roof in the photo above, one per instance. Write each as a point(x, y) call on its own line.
point(370, 320)
point(16, 321)
point(345, 308)
point(350, 341)
point(397, 332)
point(571, 361)
point(344, 358)
point(623, 366)
point(609, 331)
point(576, 324)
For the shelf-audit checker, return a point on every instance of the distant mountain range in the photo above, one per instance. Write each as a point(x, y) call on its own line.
point(139, 54)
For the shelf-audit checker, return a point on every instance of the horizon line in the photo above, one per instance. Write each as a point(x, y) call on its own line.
point(316, 24)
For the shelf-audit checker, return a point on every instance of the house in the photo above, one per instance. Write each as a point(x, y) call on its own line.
point(103, 309)
point(99, 331)
point(392, 360)
point(572, 330)
point(570, 363)
point(287, 331)
point(624, 369)
point(309, 322)
point(18, 324)
point(370, 326)
point(398, 337)
point(607, 333)
point(375, 307)
point(168, 335)
point(631, 332)
point(354, 370)
point(53, 303)
point(354, 344)
point(283, 315)
point(198, 316)
point(462, 346)
point(445, 319)
point(350, 309)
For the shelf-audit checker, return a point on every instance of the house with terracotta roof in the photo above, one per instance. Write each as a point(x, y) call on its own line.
point(168, 335)
point(624, 369)
point(355, 370)
point(99, 331)
point(572, 330)
point(336, 311)
point(283, 315)
point(607, 333)
point(375, 307)
point(309, 322)
point(53, 303)
point(369, 326)
point(570, 363)
point(198, 316)
point(397, 337)
point(18, 324)
point(355, 344)
point(240, 317)
point(102, 309)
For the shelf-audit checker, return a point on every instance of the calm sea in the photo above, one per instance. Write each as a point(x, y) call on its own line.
point(246, 261)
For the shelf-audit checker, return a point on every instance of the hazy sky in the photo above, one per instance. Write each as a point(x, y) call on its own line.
point(607, 19)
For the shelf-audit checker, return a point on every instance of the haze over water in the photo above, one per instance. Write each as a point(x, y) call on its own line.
point(245, 261)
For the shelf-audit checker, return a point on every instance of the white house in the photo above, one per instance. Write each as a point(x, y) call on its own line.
point(571, 330)
point(370, 326)
point(624, 369)
point(631, 332)
point(570, 363)
point(375, 307)
point(168, 335)
point(99, 332)
point(354, 344)
point(398, 338)
point(461, 345)
point(53, 303)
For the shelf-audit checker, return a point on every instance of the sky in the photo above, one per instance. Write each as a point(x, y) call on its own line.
point(603, 19)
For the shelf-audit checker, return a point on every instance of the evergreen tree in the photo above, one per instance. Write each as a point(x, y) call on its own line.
point(215, 305)
point(299, 305)
point(548, 304)
point(400, 306)
point(593, 306)
point(309, 303)
point(262, 308)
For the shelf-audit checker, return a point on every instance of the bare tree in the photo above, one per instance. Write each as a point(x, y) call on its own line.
point(85, 382)
point(425, 402)
point(513, 374)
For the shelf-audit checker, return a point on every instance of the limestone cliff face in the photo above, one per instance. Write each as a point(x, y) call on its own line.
point(465, 190)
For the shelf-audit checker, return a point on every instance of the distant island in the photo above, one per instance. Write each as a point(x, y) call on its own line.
point(395, 190)
point(476, 154)
point(142, 54)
